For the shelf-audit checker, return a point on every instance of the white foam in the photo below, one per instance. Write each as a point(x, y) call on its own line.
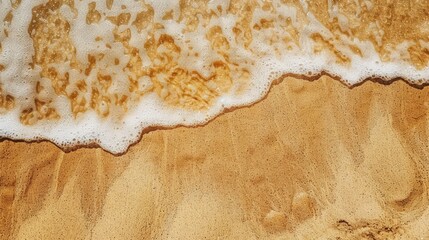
point(266, 58)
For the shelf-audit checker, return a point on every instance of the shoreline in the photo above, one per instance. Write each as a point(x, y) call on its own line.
point(278, 81)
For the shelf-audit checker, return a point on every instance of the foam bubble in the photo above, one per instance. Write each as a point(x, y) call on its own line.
point(85, 72)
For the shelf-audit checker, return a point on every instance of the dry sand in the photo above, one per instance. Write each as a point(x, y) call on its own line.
point(314, 160)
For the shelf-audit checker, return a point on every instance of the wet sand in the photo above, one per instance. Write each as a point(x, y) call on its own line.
point(313, 160)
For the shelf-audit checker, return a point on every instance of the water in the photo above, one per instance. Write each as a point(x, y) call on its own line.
point(84, 72)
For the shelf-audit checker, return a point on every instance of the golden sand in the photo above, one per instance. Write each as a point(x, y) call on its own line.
point(314, 160)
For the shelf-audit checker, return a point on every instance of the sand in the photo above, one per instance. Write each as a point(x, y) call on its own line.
point(313, 160)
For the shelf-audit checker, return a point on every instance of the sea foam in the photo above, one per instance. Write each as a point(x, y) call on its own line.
point(101, 72)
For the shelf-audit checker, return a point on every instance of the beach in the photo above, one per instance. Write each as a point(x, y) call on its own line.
point(312, 160)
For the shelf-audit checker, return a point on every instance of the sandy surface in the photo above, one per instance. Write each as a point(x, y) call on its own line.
point(314, 160)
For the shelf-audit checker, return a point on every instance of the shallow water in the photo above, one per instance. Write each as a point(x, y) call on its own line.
point(100, 72)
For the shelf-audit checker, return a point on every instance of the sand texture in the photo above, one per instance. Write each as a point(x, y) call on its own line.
point(313, 160)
